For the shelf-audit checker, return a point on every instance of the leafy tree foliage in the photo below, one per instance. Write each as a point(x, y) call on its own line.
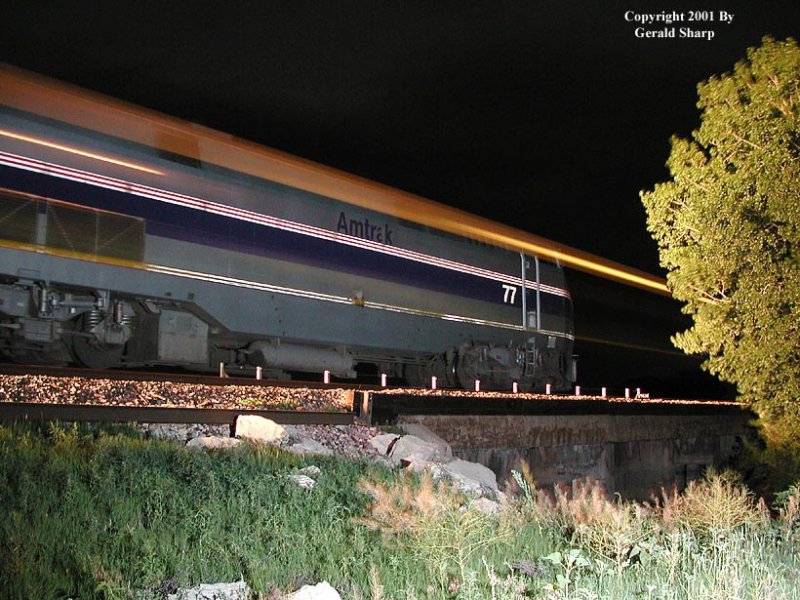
point(728, 230)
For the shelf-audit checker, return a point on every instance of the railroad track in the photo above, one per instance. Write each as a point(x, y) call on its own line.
point(361, 402)
point(39, 411)
point(67, 390)
point(169, 376)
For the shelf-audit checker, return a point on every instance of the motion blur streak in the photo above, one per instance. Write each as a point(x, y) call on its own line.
point(509, 237)
point(108, 159)
point(39, 95)
point(584, 338)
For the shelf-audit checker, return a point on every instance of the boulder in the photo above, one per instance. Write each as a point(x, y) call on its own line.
point(426, 435)
point(311, 471)
point(383, 443)
point(304, 477)
point(213, 442)
point(425, 451)
point(321, 591)
point(419, 466)
point(181, 431)
point(408, 449)
point(305, 445)
point(471, 478)
point(259, 429)
point(486, 506)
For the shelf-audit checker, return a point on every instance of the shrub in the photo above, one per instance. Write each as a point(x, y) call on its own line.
point(584, 514)
point(716, 504)
point(431, 521)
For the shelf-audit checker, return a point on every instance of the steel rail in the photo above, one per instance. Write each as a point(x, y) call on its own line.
point(172, 377)
point(366, 401)
point(37, 411)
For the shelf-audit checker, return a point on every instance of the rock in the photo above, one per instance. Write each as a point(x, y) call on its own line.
point(213, 442)
point(410, 448)
point(426, 435)
point(407, 449)
point(471, 478)
point(321, 591)
point(486, 506)
point(181, 432)
point(259, 429)
point(418, 466)
point(303, 477)
point(303, 481)
point(238, 590)
point(383, 443)
point(429, 452)
point(305, 445)
point(292, 431)
point(311, 471)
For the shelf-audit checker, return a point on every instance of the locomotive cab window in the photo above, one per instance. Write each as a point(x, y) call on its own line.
point(94, 232)
point(17, 217)
point(60, 225)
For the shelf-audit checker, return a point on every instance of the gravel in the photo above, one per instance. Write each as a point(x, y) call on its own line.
point(349, 441)
point(82, 390)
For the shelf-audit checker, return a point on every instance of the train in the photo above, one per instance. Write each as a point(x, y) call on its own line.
point(130, 239)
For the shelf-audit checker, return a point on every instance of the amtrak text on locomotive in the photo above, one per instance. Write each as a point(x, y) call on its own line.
point(364, 229)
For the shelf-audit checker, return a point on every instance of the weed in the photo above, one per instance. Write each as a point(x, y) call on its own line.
point(583, 514)
point(569, 568)
point(430, 521)
point(716, 504)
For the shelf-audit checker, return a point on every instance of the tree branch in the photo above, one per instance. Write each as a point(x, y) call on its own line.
point(744, 140)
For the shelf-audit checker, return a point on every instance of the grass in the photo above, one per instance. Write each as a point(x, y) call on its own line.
point(107, 514)
point(103, 516)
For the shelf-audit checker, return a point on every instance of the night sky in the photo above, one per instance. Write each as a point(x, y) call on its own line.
point(548, 116)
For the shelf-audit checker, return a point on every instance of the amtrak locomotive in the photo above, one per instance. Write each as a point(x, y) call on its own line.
point(130, 239)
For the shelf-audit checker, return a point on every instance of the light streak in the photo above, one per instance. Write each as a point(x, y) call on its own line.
point(568, 257)
point(629, 346)
point(95, 112)
point(78, 151)
point(195, 203)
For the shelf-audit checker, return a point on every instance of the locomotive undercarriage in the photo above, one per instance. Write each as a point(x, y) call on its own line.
point(92, 328)
point(493, 367)
point(102, 329)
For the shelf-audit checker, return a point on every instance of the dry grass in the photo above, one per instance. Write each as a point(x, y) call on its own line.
point(790, 511)
point(398, 509)
point(788, 505)
point(605, 526)
point(584, 514)
point(433, 522)
point(718, 503)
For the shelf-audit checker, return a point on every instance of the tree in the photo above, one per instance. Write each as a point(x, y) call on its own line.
point(728, 230)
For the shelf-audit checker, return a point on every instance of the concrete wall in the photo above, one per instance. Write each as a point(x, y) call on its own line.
point(633, 455)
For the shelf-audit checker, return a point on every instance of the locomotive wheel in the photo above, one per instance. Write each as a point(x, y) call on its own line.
point(88, 352)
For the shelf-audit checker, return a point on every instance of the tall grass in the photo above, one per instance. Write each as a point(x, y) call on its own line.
point(108, 514)
point(105, 515)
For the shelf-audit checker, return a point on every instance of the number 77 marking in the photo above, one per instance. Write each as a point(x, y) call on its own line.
point(509, 293)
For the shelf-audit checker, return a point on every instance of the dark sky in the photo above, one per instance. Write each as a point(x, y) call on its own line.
point(549, 116)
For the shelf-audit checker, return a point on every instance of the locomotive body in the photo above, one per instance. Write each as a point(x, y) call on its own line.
point(117, 250)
